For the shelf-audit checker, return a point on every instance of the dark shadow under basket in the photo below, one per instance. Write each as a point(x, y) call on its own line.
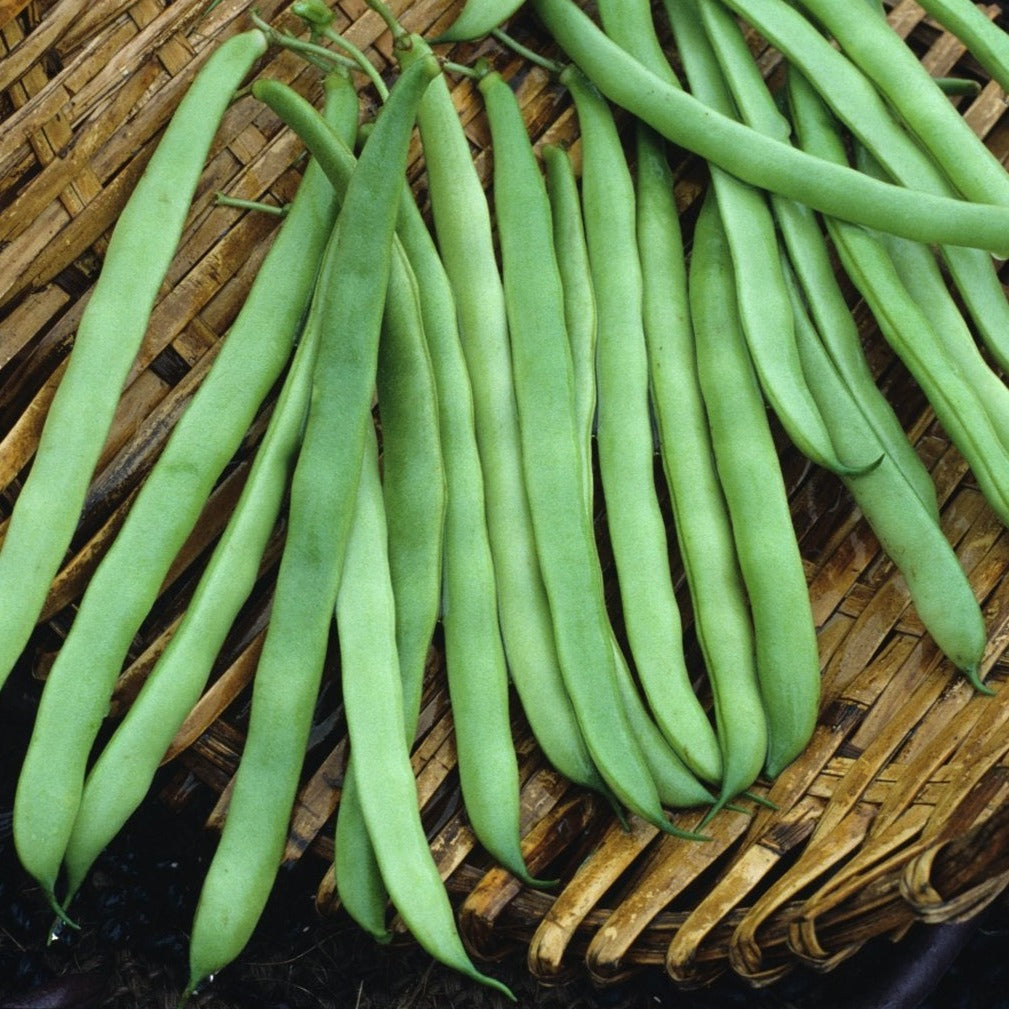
point(896, 811)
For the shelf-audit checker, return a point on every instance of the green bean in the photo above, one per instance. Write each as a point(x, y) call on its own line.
point(909, 535)
point(470, 619)
point(579, 297)
point(414, 488)
point(869, 42)
point(377, 729)
point(746, 458)
point(350, 296)
point(76, 694)
point(123, 772)
point(766, 163)
point(807, 247)
point(465, 239)
point(985, 40)
point(856, 102)
point(902, 321)
point(761, 295)
point(739, 710)
point(477, 19)
point(108, 337)
point(624, 438)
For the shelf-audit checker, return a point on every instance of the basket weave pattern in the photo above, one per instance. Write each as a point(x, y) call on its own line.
point(896, 811)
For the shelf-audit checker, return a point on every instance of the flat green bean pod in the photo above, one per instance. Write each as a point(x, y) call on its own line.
point(911, 538)
point(349, 300)
point(762, 161)
point(739, 708)
point(477, 19)
point(108, 337)
point(76, 694)
point(625, 441)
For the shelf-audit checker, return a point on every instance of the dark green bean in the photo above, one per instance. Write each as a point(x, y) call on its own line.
point(350, 298)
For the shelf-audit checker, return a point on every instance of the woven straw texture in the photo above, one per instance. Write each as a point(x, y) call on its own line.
point(896, 811)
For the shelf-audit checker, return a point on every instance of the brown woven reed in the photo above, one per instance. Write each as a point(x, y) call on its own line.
point(895, 813)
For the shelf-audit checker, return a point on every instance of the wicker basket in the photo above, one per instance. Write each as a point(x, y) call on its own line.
point(894, 814)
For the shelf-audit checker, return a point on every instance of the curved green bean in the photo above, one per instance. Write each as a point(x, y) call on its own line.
point(939, 590)
point(75, 698)
point(762, 161)
point(902, 321)
point(986, 41)
point(350, 297)
point(868, 40)
point(856, 102)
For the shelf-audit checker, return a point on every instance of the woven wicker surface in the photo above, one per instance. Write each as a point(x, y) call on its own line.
point(895, 813)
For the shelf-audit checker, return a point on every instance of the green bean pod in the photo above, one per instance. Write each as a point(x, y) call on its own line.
point(76, 695)
point(856, 102)
point(807, 248)
point(477, 19)
point(625, 442)
point(769, 164)
point(902, 321)
point(788, 667)
point(862, 32)
point(350, 298)
point(579, 297)
point(761, 295)
point(414, 490)
point(463, 228)
point(377, 728)
point(108, 337)
point(739, 708)
point(939, 590)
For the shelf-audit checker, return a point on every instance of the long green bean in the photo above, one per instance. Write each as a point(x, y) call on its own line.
point(739, 710)
point(624, 438)
point(762, 161)
point(377, 729)
point(75, 698)
point(108, 336)
point(350, 296)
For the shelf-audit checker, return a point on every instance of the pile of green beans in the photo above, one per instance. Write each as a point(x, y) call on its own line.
point(463, 395)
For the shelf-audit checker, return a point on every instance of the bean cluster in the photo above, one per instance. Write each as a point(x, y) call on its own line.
point(519, 347)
